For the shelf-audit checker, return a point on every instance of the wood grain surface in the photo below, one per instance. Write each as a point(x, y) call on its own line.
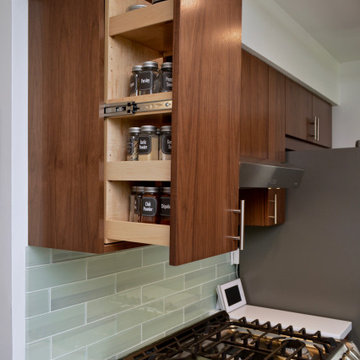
point(260, 206)
point(276, 115)
point(254, 130)
point(66, 135)
point(323, 111)
point(206, 113)
point(299, 114)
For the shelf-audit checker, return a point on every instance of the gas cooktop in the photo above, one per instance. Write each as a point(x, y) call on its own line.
point(218, 337)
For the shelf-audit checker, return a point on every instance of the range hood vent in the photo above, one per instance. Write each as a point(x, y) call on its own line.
point(259, 175)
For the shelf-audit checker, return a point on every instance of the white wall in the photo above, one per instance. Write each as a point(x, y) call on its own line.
point(270, 32)
point(5, 180)
point(19, 170)
point(13, 176)
point(346, 117)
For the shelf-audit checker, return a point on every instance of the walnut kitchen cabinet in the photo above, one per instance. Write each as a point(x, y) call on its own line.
point(80, 58)
point(308, 117)
point(264, 207)
point(322, 112)
point(262, 135)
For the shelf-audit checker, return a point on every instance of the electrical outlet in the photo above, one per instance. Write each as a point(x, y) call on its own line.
point(235, 257)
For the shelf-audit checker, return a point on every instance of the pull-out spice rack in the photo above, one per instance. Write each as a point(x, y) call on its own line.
point(133, 38)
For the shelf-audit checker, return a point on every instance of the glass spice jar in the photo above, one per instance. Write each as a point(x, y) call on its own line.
point(148, 143)
point(165, 143)
point(164, 207)
point(148, 78)
point(134, 80)
point(132, 200)
point(133, 144)
point(137, 204)
point(149, 205)
point(165, 77)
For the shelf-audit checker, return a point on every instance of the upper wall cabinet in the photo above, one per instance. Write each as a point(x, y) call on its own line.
point(262, 134)
point(322, 113)
point(80, 56)
point(307, 117)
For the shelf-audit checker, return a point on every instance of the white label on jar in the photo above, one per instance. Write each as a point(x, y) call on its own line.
point(149, 206)
point(166, 144)
point(146, 81)
point(145, 144)
point(165, 206)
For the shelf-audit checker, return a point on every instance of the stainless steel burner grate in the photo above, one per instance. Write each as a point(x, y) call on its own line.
point(217, 337)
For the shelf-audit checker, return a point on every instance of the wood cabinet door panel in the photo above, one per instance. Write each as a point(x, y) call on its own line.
point(277, 105)
point(66, 135)
point(206, 113)
point(299, 114)
point(254, 128)
point(323, 111)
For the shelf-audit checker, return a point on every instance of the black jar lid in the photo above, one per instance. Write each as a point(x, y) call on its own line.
point(148, 128)
point(166, 128)
point(134, 130)
point(151, 189)
point(135, 7)
point(166, 190)
point(152, 65)
point(137, 68)
point(166, 65)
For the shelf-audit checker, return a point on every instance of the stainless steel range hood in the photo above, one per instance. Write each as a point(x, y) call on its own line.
point(260, 175)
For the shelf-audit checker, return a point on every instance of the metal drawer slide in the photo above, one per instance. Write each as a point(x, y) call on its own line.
point(132, 108)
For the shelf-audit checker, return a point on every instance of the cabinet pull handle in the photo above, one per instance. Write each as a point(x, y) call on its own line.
point(318, 129)
point(241, 212)
point(275, 217)
point(315, 129)
point(236, 211)
point(242, 224)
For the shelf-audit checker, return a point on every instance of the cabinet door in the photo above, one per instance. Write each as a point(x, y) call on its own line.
point(323, 112)
point(299, 114)
point(276, 116)
point(66, 135)
point(254, 128)
point(264, 207)
point(206, 113)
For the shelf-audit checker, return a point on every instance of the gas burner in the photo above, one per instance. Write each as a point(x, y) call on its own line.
point(219, 338)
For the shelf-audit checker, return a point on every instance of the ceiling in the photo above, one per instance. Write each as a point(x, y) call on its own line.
point(333, 23)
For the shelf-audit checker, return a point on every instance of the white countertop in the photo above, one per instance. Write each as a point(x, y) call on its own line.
point(337, 329)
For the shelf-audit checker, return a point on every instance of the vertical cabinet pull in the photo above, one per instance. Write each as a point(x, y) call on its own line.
point(241, 212)
point(315, 131)
point(242, 224)
point(275, 217)
point(318, 129)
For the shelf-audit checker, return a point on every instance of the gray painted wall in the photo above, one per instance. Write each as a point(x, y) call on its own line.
point(311, 263)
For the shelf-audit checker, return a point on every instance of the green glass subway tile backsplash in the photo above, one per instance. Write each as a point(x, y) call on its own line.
point(85, 335)
point(76, 355)
point(40, 350)
point(99, 307)
point(82, 291)
point(37, 302)
point(110, 305)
